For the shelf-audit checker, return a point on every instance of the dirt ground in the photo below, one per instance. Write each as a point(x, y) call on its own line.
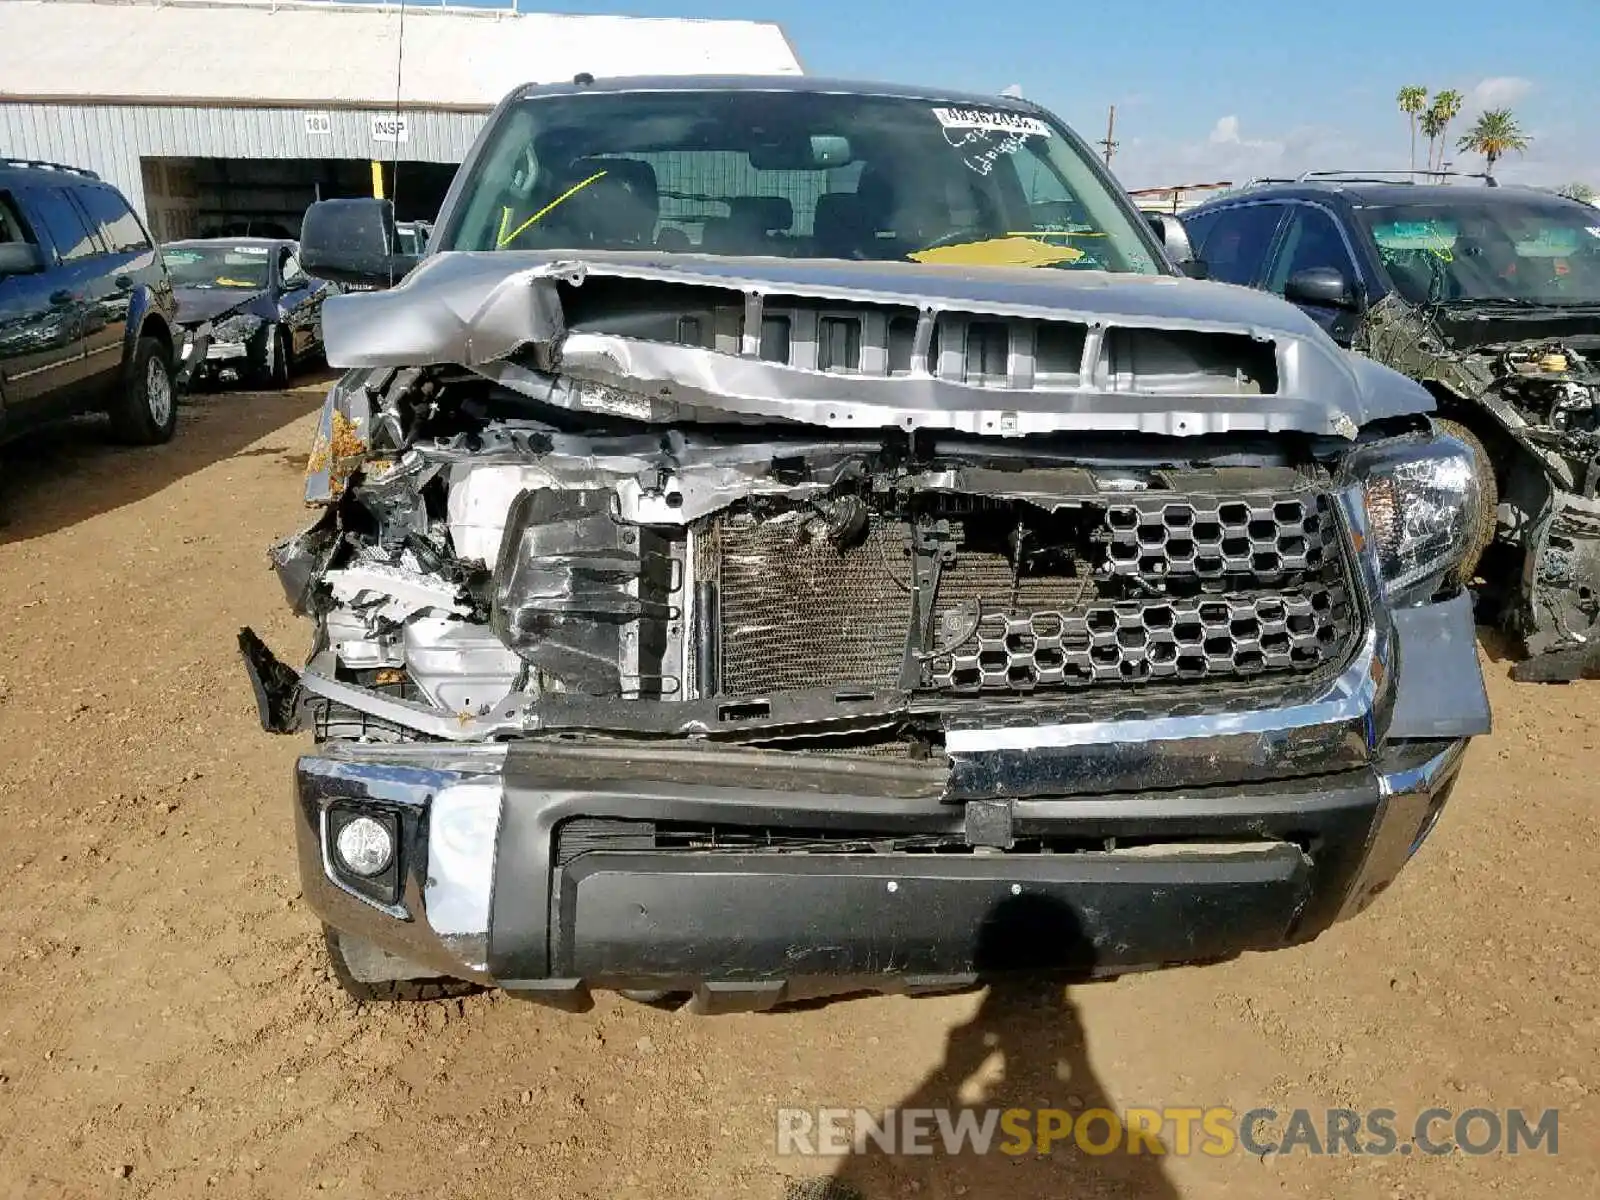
point(168, 1028)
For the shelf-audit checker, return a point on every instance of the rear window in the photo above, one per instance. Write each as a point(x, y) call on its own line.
point(64, 223)
point(118, 226)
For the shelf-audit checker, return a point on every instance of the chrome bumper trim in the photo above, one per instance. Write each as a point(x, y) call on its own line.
point(1413, 797)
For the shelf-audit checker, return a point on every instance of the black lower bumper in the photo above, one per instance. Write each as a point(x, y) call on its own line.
point(751, 877)
point(930, 917)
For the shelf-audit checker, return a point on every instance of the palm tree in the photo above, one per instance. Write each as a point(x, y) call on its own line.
point(1494, 135)
point(1412, 100)
point(1432, 127)
point(1446, 107)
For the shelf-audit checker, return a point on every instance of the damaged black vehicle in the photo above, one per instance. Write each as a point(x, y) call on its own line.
point(264, 311)
point(1490, 297)
point(791, 538)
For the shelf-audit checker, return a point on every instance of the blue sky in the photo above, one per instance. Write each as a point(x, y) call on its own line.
point(1226, 89)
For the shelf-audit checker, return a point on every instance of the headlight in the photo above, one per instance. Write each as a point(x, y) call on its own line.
point(239, 328)
point(1420, 496)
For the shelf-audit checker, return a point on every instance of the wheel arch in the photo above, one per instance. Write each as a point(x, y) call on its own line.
point(145, 319)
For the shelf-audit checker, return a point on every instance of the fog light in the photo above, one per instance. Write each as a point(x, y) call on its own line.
point(365, 847)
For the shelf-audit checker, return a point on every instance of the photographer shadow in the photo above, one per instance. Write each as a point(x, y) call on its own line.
point(1023, 1049)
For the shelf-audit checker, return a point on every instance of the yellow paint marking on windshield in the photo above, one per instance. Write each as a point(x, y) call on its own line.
point(999, 252)
point(503, 239)
point(224, 281)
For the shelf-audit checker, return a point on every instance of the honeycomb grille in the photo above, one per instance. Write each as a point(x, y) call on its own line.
point(1264, 537)
point(1134, 642)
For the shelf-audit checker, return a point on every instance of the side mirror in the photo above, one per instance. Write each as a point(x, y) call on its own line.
point(20, 258)
point(352, 241)
point(1175, 241)
point(1321, 287)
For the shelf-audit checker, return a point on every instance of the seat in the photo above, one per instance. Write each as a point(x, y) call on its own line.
point(617, 210)
point(749, 225)
point(847, 224)
point(673, 240)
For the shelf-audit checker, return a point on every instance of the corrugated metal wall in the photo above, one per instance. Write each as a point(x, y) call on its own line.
point(112, 140)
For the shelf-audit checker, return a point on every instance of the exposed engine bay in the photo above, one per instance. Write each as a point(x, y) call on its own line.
point(513, 576)
point(1555, 391)
point(1534, 403)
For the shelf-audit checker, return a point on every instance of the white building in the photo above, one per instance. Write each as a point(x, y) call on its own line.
point(215, 115)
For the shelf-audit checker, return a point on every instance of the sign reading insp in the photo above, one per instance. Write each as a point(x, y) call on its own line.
point(390, 128)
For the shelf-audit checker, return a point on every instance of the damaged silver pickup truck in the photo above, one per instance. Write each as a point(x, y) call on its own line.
point(791, 538)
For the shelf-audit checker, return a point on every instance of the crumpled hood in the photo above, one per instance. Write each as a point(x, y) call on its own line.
point(211, 304)
point(476, 309)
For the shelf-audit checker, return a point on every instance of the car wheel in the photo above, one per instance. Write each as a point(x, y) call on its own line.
point(355, 961)
point(1484, 520)
point(146, 413)
point(273, 373)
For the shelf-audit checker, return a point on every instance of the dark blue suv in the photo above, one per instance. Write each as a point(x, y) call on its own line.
point(1490, 297)
point(87, 317)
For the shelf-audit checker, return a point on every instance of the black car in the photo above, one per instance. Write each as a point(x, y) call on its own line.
point(1490, 297)
point(264, 310)
point(87, 314)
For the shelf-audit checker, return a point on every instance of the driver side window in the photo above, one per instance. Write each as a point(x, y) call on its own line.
point(1311, 239)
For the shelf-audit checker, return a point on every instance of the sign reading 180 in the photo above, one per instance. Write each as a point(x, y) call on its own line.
point(390, 128)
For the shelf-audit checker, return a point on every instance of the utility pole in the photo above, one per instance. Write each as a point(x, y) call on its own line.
point(1110, 143)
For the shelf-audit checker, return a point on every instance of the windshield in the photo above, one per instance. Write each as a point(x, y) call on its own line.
point(1533, 251)
point(796, 175)
point(243, 267)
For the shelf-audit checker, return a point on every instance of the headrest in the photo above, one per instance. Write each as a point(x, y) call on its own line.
point(637, 178)
point(765, 213)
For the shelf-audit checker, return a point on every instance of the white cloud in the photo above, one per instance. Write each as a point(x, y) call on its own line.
point(1225, 132)
point(1499, 91)
point(1562, 148)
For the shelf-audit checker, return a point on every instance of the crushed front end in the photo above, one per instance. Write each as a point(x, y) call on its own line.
point(1527, 384)
point(1045, 644)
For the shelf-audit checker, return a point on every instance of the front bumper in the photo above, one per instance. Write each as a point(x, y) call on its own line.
point(194, 347)
point(752, 877)
point(204, 353)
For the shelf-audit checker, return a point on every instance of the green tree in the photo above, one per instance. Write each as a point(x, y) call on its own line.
point(1413, 101)
point(1432, 127)
point(1494, 135)
point(1577, 190)
point(1446, 107)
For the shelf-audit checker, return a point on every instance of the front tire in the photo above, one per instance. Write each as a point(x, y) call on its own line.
point(273, 373)
point(146, 414)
